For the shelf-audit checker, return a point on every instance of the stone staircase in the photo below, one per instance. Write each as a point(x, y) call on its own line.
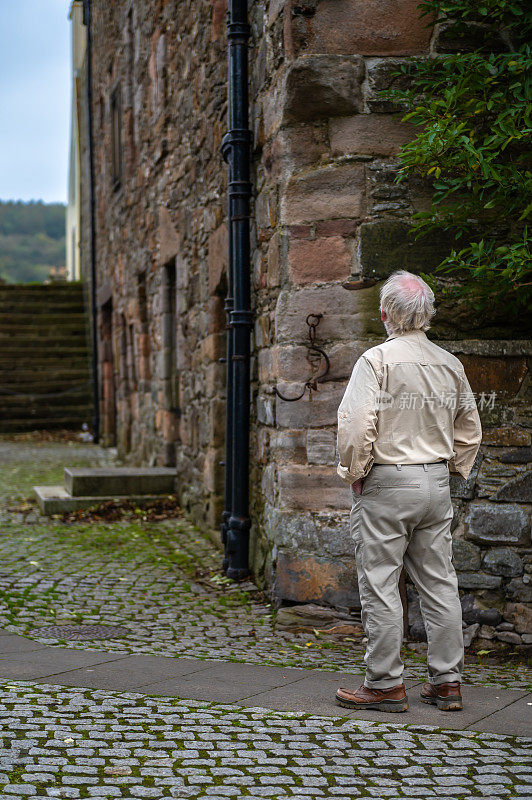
point(89, 486)
point(44, 358)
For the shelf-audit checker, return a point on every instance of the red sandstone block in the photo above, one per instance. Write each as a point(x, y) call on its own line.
point(219, 7)
point(304, 578)
point(312, 488)
point(503, 376)
point(294, 147)
point(274, 260)
point(326, 193)
point(265, 363)
point(336, 227)
point(289, 446)
point(362, 27)
point(217, 422)
point(168, 238)
point(319, 260)
point(321, 410)
point(217, 258)
point(215, 317)
point(369, 134)
point(506, 437)
point(210, 349)
point(213, 474)
point(291, 362)
point(169, 426)
point(346, 315)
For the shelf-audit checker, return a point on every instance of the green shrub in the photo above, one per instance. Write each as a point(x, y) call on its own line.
point(473, 109)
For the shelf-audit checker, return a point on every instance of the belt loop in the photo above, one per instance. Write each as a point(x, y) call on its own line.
point(399, 466)
point(425, 467)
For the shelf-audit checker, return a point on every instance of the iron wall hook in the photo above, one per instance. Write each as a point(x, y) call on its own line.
point(313, 320)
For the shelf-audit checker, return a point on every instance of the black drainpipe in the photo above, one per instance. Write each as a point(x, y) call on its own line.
point(236, 148)
point(87, 19)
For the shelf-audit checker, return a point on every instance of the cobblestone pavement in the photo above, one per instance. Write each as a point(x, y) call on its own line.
point(73, 743)
point(159, 579)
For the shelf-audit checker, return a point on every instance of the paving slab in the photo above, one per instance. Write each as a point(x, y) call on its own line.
point(498, 710)
point(129, 672)
point(252, 674)
point(515, 719)
point(51, 661)
point(11, 645)
point(192, 688)
point(315, 694)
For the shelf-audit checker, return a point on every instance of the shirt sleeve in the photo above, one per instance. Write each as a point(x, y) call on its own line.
point(467, 431)
point(357, 422)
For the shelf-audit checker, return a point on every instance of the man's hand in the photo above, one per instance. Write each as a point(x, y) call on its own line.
point(357, 486)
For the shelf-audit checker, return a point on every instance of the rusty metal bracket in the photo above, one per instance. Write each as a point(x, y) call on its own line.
point(313, 320)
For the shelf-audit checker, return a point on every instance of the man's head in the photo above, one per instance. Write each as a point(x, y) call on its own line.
point(407, 303)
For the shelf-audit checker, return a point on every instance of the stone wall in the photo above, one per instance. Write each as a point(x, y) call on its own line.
point(161, 237)
point(327, 213)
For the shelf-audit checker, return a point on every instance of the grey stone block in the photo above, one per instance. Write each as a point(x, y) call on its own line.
point(490, 523)
point(466, 556)
point(321, 447)
point(519, 590)
point(473, 613)
point(459, 38)
point(56, 500)
point(469, 633)
point(519, 489)
point(119, 481)
point(502, 561)
point(518, 455)
point(478, 580)
point(389, 244)
point(319, 86)
point(465, 488)
point(380, 77)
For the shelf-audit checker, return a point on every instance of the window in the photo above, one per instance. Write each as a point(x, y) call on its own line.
point(116, 137)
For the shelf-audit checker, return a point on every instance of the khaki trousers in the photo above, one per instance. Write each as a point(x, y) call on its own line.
point(403, 516)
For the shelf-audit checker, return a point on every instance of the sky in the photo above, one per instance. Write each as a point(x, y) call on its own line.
point(34, 99)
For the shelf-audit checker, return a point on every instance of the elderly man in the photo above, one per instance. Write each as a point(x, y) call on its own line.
point(407, 418)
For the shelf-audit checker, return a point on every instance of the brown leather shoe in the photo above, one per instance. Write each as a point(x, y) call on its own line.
point(445, 695)
point(391, 700)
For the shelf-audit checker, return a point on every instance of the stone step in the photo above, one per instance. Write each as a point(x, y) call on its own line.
point(46, 318)
point(24, 305)
point(64, 422)
point(27, 403)
point(26, 330)
point(45, 407)
point(38, 383)
point(41, 290)
point(119, 481)
point(60, 351)
point(56, 500)
point(46, 363)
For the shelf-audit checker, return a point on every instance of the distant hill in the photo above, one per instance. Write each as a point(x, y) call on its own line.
point(32, 240)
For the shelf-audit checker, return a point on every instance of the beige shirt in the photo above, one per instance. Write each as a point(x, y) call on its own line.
point(408, 401)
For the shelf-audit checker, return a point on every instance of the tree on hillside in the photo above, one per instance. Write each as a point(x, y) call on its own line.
point(32, 239)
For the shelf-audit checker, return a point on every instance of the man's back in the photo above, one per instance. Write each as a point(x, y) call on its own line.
point(408, 402)
point(407, 418)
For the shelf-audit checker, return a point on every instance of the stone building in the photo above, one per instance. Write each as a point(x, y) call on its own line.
point(327, 215)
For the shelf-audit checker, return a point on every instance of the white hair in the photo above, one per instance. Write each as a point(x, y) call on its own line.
point(407, 301)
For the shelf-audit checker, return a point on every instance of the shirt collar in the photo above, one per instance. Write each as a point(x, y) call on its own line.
point(407, 333)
